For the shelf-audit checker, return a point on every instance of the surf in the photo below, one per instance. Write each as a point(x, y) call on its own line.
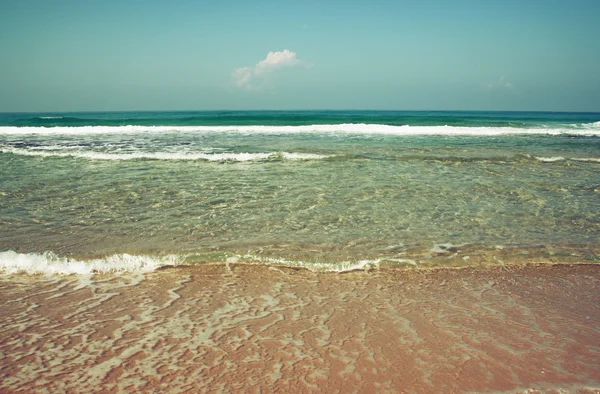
point(592, 129)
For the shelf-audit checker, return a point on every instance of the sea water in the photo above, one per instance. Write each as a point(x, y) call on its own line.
point(323, 190)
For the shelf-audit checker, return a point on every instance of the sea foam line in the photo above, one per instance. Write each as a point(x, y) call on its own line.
point(591, 129)
point(50, 264)
point(561, 158)
point(166, 155)
point(343, 266)
point(216, 157)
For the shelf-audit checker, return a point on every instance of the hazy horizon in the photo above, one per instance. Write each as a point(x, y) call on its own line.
point(307, 110)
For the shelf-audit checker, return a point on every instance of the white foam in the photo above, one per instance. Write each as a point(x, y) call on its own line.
point(57, 147)
point(50, 264)
point(560, 158)
point(589, 159)
point(164, 155)
point(550, 159)
point(343, 266)
point(303, 156)
point(586, 125)
point(590, 129)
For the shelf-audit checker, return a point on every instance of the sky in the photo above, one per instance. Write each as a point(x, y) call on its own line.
point(100, 55)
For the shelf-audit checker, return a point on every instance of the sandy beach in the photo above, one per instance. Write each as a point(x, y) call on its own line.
point(297, 197)
point(207, 328)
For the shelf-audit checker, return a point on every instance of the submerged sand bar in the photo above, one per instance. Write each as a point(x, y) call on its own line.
point(212, 328)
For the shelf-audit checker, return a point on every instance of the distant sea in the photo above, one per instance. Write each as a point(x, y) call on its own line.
point(321, 190)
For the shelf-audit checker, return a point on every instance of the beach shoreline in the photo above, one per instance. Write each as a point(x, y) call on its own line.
point(253, 328)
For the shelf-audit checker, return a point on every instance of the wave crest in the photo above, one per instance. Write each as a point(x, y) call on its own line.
point(239, 157)
point(589, 129)
point(50, 264)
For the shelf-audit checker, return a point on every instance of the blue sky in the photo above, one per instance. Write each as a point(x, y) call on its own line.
point(72, 55)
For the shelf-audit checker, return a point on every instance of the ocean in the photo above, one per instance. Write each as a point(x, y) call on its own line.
point(322, 190)
point(300, 251)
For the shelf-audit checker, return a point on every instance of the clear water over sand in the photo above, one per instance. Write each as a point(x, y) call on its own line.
point(304, 193)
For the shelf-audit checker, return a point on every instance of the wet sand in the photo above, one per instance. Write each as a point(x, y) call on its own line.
point(264, 329)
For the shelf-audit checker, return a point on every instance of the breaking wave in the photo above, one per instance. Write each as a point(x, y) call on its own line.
point(240, 157)
point(50, 264)
point(561, 158)
point(588, 129)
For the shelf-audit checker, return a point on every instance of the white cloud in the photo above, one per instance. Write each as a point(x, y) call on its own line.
point(499, 84)
point(254, 77)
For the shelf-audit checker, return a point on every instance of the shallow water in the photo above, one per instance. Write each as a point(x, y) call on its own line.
point(293, 187)
point(99, 194)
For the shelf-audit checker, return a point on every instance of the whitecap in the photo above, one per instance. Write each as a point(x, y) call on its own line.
point(50, 264)
point(587, 159)
point(592, 129)
point(550, 159)
point(239, 157)
point(560, 158)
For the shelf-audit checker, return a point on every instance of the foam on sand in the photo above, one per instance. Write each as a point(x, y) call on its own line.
point(343, 266)
point(50, 264)
point(259, 329)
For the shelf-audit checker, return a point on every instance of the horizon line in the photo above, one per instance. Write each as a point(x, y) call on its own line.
point(298, 110)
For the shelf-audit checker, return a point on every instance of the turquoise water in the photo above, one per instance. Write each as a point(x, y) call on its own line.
point(270, 118)
point(321, 188)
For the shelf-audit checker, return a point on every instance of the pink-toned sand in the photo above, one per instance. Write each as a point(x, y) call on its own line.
point(259, 329)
